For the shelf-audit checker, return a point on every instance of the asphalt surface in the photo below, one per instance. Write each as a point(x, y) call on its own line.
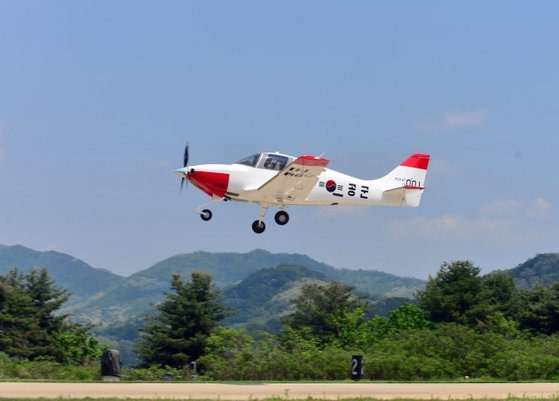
point(333, 391)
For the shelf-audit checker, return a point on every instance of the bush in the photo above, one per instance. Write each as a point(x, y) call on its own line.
point(46, 370)
point(448, 352)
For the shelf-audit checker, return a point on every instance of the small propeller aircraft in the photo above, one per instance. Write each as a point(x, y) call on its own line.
point(272, 179)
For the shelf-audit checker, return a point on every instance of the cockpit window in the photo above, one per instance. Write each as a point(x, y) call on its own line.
point(275, 162)
point(268, 161)
point(250, 161)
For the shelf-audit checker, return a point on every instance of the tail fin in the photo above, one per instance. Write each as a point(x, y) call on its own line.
point(404, 185)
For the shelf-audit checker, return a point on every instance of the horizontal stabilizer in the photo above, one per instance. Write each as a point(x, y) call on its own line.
point(413, 187)
point(406, 195)
point(403, 189)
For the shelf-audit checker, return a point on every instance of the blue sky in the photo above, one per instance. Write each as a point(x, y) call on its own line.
point(97, 100)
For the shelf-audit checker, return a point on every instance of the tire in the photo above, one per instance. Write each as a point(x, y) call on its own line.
point(281, 218)
point(206, 214)
point(258, 226)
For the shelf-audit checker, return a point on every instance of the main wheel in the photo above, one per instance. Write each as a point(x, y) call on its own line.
point(258, 226)
point(281, 218)
point(206, 214)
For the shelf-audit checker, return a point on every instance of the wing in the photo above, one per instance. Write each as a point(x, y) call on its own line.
point(294, 182)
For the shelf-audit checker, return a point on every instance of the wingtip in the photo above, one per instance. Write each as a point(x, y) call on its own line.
point(311, 160)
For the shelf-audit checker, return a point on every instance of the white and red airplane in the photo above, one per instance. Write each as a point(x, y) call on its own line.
point(277, 180)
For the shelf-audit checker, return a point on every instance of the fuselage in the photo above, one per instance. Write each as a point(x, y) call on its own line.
point(332, 187)
point(240, 181)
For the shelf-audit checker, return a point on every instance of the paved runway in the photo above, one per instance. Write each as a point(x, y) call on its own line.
point(284, 390)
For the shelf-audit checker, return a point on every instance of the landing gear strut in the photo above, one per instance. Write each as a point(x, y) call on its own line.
point(206, 214)
point(258, 226)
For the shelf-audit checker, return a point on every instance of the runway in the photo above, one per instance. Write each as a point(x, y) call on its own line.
point(291, 391)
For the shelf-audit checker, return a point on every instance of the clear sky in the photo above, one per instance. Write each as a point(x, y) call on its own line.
point(97, 99)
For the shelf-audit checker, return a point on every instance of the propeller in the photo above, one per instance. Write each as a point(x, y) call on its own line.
point(185, 164)
point(185, 155)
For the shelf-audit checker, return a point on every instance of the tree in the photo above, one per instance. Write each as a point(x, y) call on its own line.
point(539, 310)
point(31, 324)
point(350, 328)
point(406, 317)
point(321, 308)
point(452, 293)
point(78, 347)
point(17, 317)
point(178, 333)
point(499, 292)
point(225, 344)
point(459, 294)
point(47, 299)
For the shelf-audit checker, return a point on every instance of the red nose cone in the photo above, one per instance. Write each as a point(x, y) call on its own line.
point(214, 184)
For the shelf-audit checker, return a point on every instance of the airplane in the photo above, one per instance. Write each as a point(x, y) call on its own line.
point(272, 179)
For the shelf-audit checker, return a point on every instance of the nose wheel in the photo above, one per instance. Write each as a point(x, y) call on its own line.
point(206, 214)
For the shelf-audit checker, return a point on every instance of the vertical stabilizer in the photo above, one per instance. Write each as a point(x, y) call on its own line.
point(404, 185)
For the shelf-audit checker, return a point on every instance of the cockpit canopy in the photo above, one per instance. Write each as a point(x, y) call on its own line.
point(267, 160)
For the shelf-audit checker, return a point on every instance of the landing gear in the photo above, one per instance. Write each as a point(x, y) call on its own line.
point(258, 226)
point(206, 214)
point(281, 218)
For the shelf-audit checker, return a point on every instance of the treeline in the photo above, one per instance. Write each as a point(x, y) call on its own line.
point(462, 325)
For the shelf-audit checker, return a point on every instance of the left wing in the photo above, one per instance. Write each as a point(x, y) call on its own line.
point(295, 181)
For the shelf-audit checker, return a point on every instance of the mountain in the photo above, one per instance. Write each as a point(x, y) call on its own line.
point(135, 294)
point(258, 285)
point(266, 294)
point(542, 269)
point(79, 278)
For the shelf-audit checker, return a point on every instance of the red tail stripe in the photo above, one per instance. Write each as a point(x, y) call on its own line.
point(417, 160)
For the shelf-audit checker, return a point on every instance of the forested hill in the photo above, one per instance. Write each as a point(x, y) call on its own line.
point(229, 267)
point(542, 269)
point(70, 273)
point(267, 293)
point(136, 293)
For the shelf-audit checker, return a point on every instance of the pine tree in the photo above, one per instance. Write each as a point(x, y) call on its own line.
point(47, 299)
point(177, 334)
point(17, 319)
point(31, 325)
